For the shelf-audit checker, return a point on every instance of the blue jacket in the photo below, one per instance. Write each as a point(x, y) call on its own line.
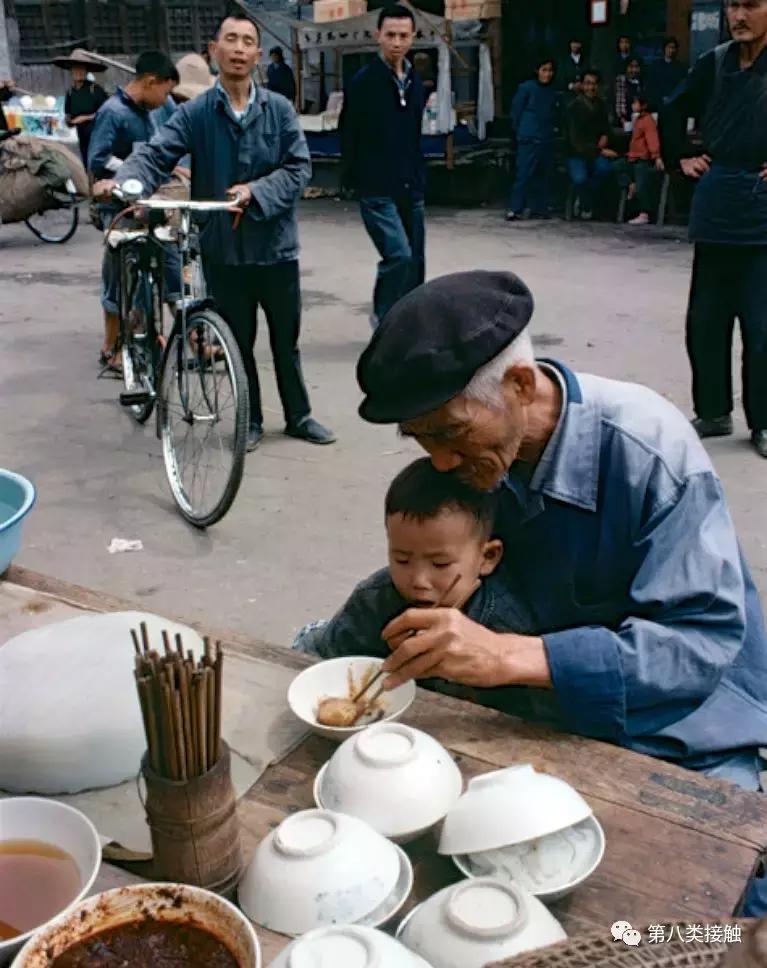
point(534, 111)
point(381, 137)
point(267, 151)
point(622, 549)
point(119, 124)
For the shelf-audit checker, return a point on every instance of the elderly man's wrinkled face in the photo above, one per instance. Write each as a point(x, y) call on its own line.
point(477, 441)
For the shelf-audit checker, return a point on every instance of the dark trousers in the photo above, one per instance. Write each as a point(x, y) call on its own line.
point(238, 292)
point(728, 282)
point(534, 168)
point(645, 176)
point(397, 229)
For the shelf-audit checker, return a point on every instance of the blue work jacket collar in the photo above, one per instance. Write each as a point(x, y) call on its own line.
point(568, 469)
point(128, 101)
point(255, 106)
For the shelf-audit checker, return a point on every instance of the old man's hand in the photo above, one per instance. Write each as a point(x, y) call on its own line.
point(448, 645)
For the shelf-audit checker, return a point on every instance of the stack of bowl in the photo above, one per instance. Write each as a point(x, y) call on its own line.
point(398, 779)
point(320, 868)
point(525, 828)
point(477, 922)
point(347, 946)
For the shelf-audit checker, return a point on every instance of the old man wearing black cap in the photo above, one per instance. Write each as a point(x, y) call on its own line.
point(648, 631)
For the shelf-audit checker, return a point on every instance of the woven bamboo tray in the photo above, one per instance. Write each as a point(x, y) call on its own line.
point(598, 950)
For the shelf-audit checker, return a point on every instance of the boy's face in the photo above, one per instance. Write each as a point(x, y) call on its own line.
point(425, 555)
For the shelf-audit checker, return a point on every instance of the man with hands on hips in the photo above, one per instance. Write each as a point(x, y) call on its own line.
point(727, 92)
point(245, 141)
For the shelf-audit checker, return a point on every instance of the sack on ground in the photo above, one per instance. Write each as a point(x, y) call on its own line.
point(32, 172)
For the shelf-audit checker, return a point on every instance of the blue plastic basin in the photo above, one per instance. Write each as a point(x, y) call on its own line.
point(17, 495)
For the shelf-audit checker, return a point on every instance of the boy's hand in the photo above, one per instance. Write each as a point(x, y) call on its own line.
point(102, 190)
point(659, 166)
point(451, 646)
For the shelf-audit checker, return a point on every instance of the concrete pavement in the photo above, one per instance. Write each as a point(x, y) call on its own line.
point(307, 523)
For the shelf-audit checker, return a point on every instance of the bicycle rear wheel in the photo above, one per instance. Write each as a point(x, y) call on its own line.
point(54, 225)
point(140, 319)
point(203, 417)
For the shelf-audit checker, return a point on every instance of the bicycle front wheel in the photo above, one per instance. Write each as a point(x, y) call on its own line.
point(54, 225)
point(203, 417)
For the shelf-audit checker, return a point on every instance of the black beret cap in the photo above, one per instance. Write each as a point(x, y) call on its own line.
point(432, 342)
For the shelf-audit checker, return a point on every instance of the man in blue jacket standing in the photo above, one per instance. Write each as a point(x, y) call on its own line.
point(246, 141)
point(383, 161)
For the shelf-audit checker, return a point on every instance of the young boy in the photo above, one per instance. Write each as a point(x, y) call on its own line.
point(437, 528)
point(122, 122)
point(644, 158)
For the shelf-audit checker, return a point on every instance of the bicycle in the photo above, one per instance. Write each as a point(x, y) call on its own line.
point(197, 380)
point(57, 222)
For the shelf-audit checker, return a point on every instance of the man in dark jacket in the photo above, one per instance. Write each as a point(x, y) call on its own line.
point(246, 141)
point(665, 76)
point(279, 77)
point(572, 67)
point(383, 161)
point(727, 91)
point(589, 161)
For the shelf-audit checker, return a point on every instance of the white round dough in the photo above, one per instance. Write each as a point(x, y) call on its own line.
point(69, 712)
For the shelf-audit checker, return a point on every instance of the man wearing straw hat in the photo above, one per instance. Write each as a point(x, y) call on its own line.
point(84, 97)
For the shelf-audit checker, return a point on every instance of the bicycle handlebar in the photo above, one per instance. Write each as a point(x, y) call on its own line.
point(188, 205)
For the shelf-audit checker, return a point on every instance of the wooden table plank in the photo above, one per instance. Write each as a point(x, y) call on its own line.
point(680, 846)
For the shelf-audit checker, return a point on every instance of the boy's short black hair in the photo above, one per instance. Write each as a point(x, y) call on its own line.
point(396, 11)
point(671, 40)
point(592, 72)
point(420, 491)
point(278, 51)
point(154, 63)
point(543, 59)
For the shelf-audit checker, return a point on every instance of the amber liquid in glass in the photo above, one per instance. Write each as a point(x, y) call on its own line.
point(37, 880)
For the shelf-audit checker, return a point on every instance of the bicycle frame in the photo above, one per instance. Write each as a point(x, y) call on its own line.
point(185, 234)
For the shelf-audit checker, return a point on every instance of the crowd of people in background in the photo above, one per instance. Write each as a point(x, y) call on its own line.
point(608, 127)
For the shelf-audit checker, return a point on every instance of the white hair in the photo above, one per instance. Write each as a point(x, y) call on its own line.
point(486, 386)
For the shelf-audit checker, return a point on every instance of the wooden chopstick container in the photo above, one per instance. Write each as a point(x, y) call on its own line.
point(194, 826)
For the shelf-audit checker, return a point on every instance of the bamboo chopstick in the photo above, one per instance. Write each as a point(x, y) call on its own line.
point(181, 704)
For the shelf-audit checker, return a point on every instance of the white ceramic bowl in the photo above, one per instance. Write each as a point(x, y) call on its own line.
point(330, 678)
point(54, 823)
point(173, 903)
point(398, 779)
point(319, 868)
point(549, 867)
point(478, 922)
point(347, 946)
point(508, 807)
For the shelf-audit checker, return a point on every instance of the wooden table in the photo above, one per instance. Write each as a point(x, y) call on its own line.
point(680, 846)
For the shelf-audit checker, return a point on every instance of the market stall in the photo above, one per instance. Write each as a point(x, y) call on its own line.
point(459, 62)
